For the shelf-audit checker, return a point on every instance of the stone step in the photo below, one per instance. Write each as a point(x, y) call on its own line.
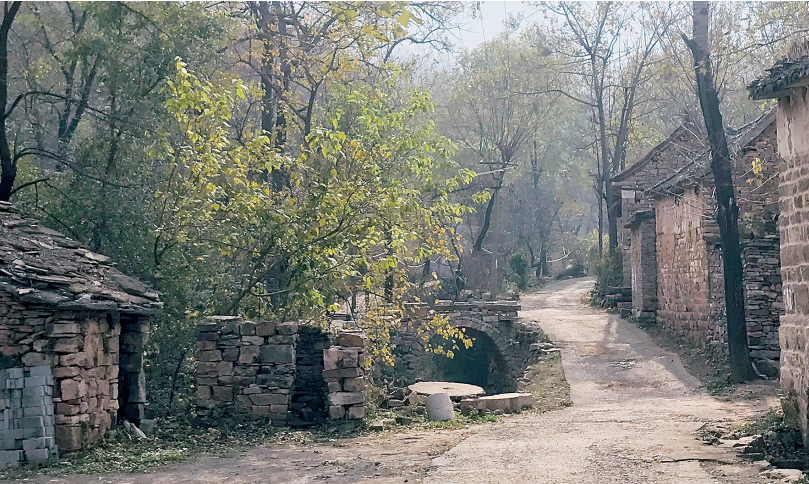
point(505, 402)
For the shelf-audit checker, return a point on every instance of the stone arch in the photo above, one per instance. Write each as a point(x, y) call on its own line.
point(493, 345)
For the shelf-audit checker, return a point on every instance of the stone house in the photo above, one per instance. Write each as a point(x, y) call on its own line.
point(674, 261)
point(787, 82)
point(67, 308)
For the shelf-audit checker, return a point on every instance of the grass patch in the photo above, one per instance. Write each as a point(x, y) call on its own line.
point(548, 384)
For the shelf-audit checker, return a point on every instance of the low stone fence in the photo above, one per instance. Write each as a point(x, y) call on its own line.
point(27, 417)
point(287, 372)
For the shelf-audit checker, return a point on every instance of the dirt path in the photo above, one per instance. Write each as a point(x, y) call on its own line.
point(634, 418)
point(634, 415)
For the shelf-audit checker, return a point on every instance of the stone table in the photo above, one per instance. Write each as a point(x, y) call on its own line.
point(456, 391)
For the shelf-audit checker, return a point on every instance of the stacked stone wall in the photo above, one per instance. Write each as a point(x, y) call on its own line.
point(793, 146)
point(26, 417)
point(763, 301)
point(82, 348)
point(282, 372)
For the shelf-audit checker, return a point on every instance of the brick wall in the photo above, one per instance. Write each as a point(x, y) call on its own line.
point(793, 146)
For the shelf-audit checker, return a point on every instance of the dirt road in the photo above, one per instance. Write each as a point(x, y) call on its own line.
point(634, 415)
point(633, 420)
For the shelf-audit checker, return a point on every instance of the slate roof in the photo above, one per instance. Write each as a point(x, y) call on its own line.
point(783, 75)
point(700, 166)
point(41, 266)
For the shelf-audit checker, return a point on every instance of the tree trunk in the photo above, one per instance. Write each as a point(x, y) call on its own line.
point(8, 166)
point(741, 367)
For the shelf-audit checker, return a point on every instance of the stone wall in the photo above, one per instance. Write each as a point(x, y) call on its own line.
point(26, 417)
point(763, 301)
point(517, 344)
point(793, 146)
point(643, 262)
point(82, 348)
point(283, 372)
point(682, 261)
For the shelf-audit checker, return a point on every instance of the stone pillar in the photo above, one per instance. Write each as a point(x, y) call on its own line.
point(344, 373)
point(131, 377)
point(643, 263)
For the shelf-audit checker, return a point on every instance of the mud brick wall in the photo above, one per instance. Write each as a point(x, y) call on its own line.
point(763, 301)
point(793, 146)
point(82, 348)
point(287, 373)
point(26, 417)
point(495, 320)
point(644, 265)
point(344, 371)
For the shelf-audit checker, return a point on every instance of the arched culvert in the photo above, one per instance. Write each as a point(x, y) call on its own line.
point(483, 364)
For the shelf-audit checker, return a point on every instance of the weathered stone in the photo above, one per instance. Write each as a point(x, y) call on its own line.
point(277, 354)
point(248, 354)
point(265, 328)
point(269, 399)
point(287, 328)
point(336, 411)
point(356, 412)
point(439, 407)
point(351, 339)
point(346, 398)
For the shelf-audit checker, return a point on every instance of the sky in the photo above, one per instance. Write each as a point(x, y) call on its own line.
point(489, 22)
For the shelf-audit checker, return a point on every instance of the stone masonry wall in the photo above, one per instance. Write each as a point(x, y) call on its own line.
point(644, 265)
point(793, 146)
point(283, 372)
point(82, 350)
point(682, 261)
point(763, 301)
point(26, 417)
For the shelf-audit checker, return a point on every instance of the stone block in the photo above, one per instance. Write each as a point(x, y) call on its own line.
point(287, 328)
point(65, 329)
point(277, 354)
point(67, 345)
point(346, 398)
point(230, 354)
point(351, 339)
point(269, 399)
point(248, 354)
point(343, 373)
point(38, 359)
point(247, 329)
point(210, 355)
point(266, 328)
point(334, 386)
point(336, 412)
point(222, 394)
point(252, 340)
point(72, 390)
point(354, 384)
point(336, 358)
point(206, 345)
point(356, 412)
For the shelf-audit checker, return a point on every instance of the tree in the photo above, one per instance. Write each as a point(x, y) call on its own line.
point(614, 44)
point(500, 98)
point(8, 165)
point(727, 215)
